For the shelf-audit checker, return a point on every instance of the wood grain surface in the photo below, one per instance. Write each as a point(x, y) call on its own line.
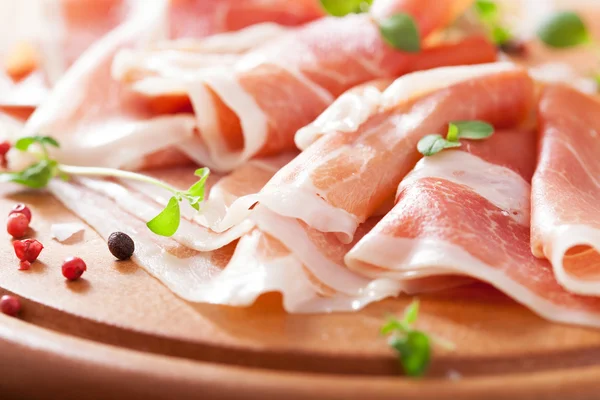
point(118, 330)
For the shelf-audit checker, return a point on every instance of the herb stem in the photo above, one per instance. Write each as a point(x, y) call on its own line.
point(115, 173)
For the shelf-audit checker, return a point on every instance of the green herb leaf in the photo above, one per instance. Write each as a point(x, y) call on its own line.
point(433, 144)
point(564, 29)
point(411, 313)
point(167, 222)
point(393, 325)
point(414, 352)
point(23, 144)
point(472, 129)
point(487, 10)
point(36, 176)
point(400, 31)
point(195, 194)
point(340, 8)
point(500, 35)
point(452, 134)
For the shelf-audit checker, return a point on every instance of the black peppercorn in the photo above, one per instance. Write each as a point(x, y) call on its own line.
point(121, 245)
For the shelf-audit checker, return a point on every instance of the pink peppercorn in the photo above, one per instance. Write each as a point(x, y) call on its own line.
point(10, 305)
point(4, 148)
point(28, 249)
point(21, 209)
point(73, 268)
point(17, 225)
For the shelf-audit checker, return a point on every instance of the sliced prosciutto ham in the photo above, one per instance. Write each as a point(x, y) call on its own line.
point(466, 212)
point(255, 106)
point(566, 188)
point(92, 115)
point(347, 176)
point(203, 266)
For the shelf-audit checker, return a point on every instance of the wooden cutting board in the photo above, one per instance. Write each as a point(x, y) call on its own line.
point(119, 333)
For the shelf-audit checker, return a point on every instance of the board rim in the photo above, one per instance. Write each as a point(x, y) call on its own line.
point(31, 352)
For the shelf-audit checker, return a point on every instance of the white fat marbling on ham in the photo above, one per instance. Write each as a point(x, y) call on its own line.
point(501, 186)
point(344, 115)
point(252, 119)
point(418, 258)
point(420, 83)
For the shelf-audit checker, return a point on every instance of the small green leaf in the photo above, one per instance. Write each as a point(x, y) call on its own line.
point(432, 144)
point(564, 29)
point(452, 135)
point(23, 144)
point(393, 325)
point(340, 8)
point(473, 129)
point(36, 176)
point(487, 10)
point(414, 352)
point(167, 222)
point(500, 35)
point(400, 31)
point(411, 313)
point(195, 194)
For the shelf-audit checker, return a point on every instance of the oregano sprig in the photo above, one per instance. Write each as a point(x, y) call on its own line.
point(473, 130)
point(412, 346)
point(38, 176)
point(489, 14)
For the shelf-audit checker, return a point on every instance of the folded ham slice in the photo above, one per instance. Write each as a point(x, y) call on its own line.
point(203, 266)
point(93, 116)
point(566, 188)
point(466, 212)
point(252, 105)
point(345, 177)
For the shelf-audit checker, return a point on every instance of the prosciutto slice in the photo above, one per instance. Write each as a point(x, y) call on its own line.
point(466, 212)
point(566, 186)
point(41, 39)
point(226, 271)
point(255, 106)
point(93, 116)
point(345, 177)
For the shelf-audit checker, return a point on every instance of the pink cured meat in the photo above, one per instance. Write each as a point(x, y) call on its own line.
point(345, 177)
point(239, 109)
point(466, 212)
point(92, 115)
point(566, 187)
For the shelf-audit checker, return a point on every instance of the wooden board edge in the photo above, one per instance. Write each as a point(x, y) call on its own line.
point(37, 363)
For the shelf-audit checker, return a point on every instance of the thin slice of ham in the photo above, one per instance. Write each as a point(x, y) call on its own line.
point(344, 178)
point(41, 39)
point(93, 116)
point(253, 105)
point(566, 187)
point(466, 212)
point(235, 274)
point(144, 201)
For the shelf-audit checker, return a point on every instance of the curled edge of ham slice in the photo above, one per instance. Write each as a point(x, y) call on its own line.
point(291, 192)
point(467, 214)
point(566, 188)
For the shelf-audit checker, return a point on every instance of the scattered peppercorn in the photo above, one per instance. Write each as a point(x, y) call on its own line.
point(28, 249)
point(21, 209)
point(10, 305)
point(73, 268)
point(17, 225)
point(4, 148)
point(24, 265)
point(121, 245)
